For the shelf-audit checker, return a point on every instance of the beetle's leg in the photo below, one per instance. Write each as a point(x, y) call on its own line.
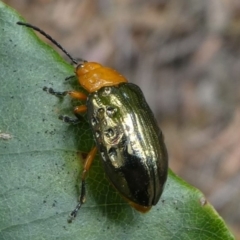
point(70, 120)
point(82, 198)
point(77, 110)
point(70, 77)
point(74, 94)
point(55, 93)
point(80, 109)
point(77, 95)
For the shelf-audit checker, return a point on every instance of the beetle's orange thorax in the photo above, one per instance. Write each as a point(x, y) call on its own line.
point(93, 76)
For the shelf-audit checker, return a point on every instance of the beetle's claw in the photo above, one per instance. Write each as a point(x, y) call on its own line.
point(73, 214)
point(72, 217)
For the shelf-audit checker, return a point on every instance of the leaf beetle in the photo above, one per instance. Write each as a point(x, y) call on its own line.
point(127, 136)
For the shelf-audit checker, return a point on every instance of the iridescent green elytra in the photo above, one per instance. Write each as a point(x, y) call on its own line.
point(129, 141)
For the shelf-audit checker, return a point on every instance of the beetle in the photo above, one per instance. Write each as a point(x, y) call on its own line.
point(127, 136)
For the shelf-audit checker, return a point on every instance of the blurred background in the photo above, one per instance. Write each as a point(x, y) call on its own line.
point(185, 55)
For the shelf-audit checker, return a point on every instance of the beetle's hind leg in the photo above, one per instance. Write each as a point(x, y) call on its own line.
point(82, 198)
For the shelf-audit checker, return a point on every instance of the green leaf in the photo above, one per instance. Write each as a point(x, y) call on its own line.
point(40, 162)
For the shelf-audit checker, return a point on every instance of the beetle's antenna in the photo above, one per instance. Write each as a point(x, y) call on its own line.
point(51, 39)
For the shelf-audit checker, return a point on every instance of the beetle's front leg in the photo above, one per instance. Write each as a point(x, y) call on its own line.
point(88, 162)
point(73, 94)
